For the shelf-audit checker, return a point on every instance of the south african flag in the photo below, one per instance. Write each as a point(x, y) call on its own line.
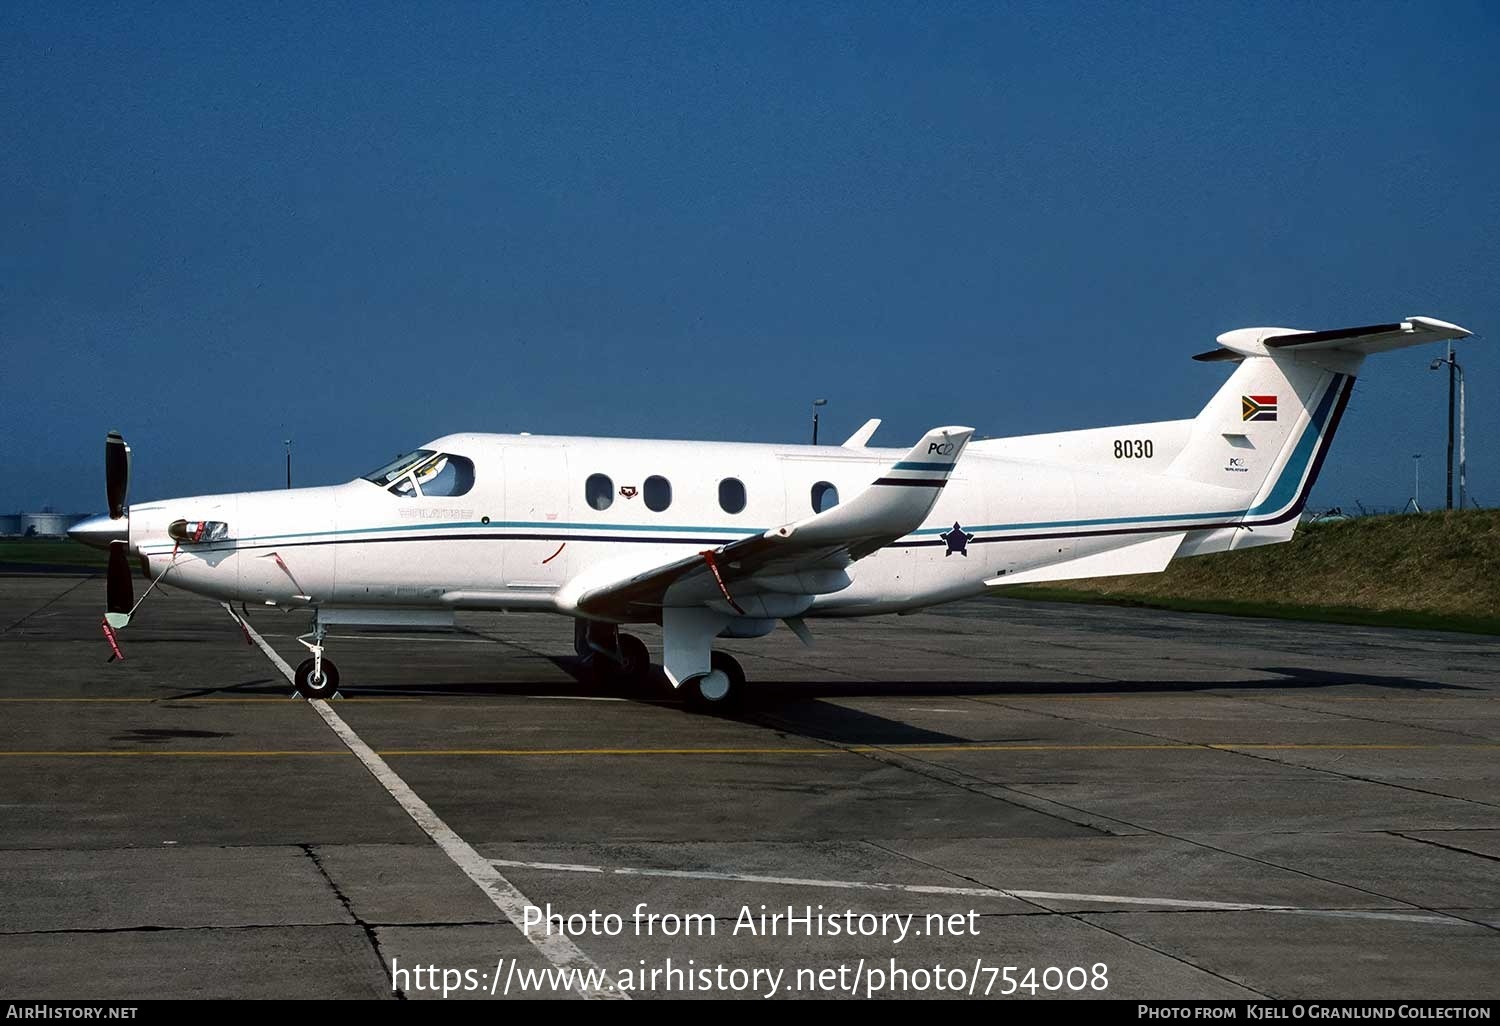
point(1258, 407)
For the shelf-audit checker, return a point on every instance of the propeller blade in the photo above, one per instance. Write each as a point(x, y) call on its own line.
point(116, 473)
point(121, 590)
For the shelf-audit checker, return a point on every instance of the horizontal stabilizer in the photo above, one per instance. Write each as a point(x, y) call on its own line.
point(1143, 557)
point(1218, 356)
point(1374, 338)
point(1364, 340)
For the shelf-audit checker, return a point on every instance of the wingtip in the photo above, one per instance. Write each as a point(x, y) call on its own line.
point(1447, 329)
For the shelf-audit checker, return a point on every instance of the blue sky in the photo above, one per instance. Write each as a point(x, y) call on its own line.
point(363, 226)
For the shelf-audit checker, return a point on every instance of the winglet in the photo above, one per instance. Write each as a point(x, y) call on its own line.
point(931, 460)
point(896, 502)
point(861, 438)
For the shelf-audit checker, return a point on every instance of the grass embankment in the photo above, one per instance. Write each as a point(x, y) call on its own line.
point(21, 553)
point(1439, 571)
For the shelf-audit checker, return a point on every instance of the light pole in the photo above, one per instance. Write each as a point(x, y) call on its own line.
point(288, 443)
point(1416, 484)
point(816, 404)
point(1455, 372)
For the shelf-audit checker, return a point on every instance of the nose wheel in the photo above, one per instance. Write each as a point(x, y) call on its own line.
point(312, 681)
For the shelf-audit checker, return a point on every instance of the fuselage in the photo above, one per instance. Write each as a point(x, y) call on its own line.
point(525, 515)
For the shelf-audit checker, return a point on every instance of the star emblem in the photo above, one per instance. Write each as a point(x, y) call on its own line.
point(957, 541)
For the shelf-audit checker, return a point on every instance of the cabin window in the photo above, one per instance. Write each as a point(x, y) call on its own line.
point(599, 491)
point(731, 495)
point(824, 497)
point(658, 493)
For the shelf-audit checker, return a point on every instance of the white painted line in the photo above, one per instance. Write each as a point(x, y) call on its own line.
point(1395, 917)
point(564, 867)
point(276, 660)
point(557, 949)
point(981, 892)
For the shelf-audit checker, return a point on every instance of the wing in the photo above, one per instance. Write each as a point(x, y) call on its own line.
point(804, 557)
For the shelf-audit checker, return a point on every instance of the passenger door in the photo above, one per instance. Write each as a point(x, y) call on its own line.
point(537, 496)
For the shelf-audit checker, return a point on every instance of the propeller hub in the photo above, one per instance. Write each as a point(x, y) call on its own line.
point(100, 531)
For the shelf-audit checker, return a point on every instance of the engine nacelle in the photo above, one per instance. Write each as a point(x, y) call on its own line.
point(748, 627)
point(769, 606)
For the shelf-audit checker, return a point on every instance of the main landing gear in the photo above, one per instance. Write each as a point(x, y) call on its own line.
point(721, 688)
point(609, 655)
point(316, 677)
point(709, 681)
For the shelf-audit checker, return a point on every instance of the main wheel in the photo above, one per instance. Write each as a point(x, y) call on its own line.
point(325, 686)
point(721, 688)
point(635, 658)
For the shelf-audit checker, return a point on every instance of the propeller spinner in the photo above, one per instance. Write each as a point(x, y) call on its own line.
point(101, 532)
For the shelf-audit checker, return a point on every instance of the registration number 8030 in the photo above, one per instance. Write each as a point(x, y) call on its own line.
point(1133, 449)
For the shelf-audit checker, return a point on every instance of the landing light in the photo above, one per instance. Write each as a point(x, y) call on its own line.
point(193, 531)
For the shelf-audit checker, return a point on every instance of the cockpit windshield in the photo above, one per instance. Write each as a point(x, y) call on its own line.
point(425, 473)
point(398, 467)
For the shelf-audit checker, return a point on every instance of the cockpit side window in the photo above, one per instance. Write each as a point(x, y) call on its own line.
point(425, 473)
point(445, 475)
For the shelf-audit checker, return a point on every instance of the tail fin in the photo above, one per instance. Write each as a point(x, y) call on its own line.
point(1266, 432)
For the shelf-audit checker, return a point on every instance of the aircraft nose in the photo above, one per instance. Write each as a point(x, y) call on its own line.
point(99, 531)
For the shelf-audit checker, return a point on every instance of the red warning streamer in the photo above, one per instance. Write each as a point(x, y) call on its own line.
point(708, 557)
point(109, 635)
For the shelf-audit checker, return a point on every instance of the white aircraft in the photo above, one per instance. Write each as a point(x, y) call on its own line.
point(715, 540)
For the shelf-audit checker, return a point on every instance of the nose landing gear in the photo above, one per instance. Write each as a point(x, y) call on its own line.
point(316, 677)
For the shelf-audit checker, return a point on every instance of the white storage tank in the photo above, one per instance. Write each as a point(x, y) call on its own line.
point(46, 524)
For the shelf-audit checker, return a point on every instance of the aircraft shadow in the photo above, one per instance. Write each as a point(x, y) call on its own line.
point(800, 707)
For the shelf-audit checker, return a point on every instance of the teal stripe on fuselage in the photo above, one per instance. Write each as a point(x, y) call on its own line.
point(493, 525)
